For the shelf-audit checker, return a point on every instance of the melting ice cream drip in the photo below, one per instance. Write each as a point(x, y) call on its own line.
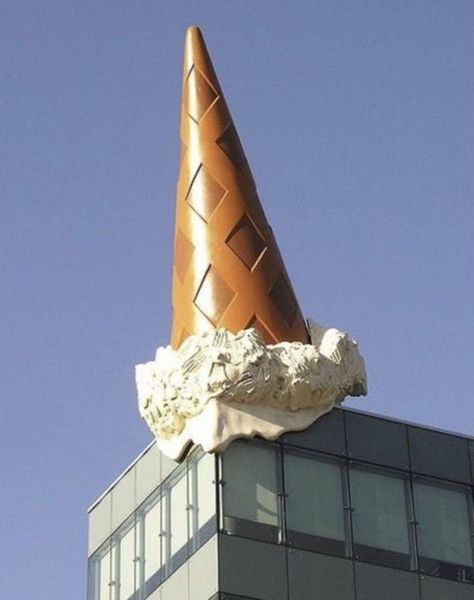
point(219, 385)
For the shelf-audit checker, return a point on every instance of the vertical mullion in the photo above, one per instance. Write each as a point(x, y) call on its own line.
point(189, 507)
point(194, 471)
point(140, 561)
point(470, 503)
point(166, 508)
point(115, 570)
point(281, 494)
point(348, 507)
point(220, 491)
point(412, 522)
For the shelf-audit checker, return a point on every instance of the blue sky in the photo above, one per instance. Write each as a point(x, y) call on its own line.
point(357, 117)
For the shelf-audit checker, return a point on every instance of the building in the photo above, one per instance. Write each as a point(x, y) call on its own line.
point(351, 507)
point(357, 507)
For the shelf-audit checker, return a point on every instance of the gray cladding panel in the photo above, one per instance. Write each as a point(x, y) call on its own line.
point(376, 440)
point(439, 454)
point(375, 583)
point(147, 474)
point(176, 587)
point(319, 577)
point(123, 498)
point(203, 573)
point(100, 524)
point(252, 569)
point(326, 435)
point(433, 588)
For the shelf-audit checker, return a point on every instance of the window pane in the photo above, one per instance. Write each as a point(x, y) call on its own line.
point(444, 529)
point(105, 576)
point(314, 503)
point(250, 483)
point(205, 502)
point(380, 517)
point(152, 547)
point(178, 514)
point(127, 564)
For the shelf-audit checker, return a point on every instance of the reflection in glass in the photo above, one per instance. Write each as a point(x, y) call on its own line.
point(250, 490)
point(178, 515)
point(127, 564)
point(204, 497)
point(152, 543)
point(380, 517)
point(444, 528)
point(105, 574)
point(314, 503)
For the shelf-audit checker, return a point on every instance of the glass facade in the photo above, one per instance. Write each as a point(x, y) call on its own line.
point(381, 523)
point(445, 531)
point(315, 500)
point(249, 491)
point(358, 510)
point(381, 516)
point(174, 522)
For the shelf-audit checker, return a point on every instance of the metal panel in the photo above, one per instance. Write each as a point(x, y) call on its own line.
point(166, 466)
point(156, 595)
point(222, 596)
point(252, 569)
point(326, 435)
point(176, 587)
point(147, 473)
point(100, 523)
point(439, 454)
point(123, 498)
point(377, 440)
point(433, 588)
point(203, 572)
point(319, 577)
point(374, 583)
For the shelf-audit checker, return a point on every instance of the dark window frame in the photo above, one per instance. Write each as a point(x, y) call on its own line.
point(381, 556)
point(438, 568)
point(232, 525)
point(307, 541)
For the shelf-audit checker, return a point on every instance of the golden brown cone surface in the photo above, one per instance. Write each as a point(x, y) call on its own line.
point(227, 269)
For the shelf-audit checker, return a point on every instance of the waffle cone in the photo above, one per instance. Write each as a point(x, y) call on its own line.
point(227, 268)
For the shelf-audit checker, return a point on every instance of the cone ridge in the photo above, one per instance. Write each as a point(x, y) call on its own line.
point(227, 269)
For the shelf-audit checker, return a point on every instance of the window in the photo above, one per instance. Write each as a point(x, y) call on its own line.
point(380, 516)
point(102, 570)
point(127, 563)
point(250, 490)
point(444, 531)
point(105, 574)
point(178, 526)
point(153, 547)
point(204, 499)
point(314, 503)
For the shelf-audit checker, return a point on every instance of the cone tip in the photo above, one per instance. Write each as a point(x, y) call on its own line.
point(193, 34)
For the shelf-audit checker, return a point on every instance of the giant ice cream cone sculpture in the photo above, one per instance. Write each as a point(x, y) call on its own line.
point(227, 270)
point(241, 360)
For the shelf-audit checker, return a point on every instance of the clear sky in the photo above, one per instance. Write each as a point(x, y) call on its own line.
point(357, 120)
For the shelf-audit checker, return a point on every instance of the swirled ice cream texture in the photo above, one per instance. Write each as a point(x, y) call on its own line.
point(239, 377)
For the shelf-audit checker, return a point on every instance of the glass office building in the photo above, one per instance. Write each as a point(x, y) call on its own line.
point(357, 507)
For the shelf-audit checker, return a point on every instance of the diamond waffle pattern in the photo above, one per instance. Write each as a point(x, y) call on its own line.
point(283, 298)
point(204, 193)
point(230, 272)
point(229, 142)
point(246, 242)
point(214, 296)
point(199, 96)
point(183, 251)
point(256, 323)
